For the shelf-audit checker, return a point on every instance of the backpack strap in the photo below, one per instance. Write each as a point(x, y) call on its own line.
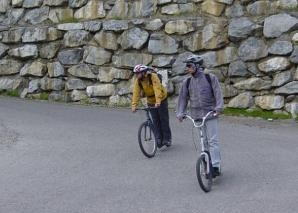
point(208, 79)
point(210, 83)
point(150, 79)
point(140, 85)
point(158, 75)
point(187, 85)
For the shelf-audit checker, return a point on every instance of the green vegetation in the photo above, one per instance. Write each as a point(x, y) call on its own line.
point(68, 19)
point(255, 113)
point(116, 18)
point(38, 96)
point(12, 93)
point(44, 96)
point(85, 101)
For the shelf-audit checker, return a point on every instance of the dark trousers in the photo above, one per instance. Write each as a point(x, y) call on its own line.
point(161, 122)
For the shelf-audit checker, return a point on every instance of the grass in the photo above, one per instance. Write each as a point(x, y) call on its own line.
point(256, 113)
point(12, 93)
point(44, 96)
point(68, 20)
point(116, 18)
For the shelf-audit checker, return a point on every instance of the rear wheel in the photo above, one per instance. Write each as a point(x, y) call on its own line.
point(147, 140)
point(204, 174)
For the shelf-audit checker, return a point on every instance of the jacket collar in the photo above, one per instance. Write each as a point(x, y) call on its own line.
point(198, 73)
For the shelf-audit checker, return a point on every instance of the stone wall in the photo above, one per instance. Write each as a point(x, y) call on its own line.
point(84, 50)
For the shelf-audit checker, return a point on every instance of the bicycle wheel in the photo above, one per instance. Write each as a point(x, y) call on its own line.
point(147, 140)
point(204, 177)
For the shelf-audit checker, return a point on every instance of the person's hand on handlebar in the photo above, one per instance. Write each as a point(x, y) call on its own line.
point(181, 117)
point(215, 113)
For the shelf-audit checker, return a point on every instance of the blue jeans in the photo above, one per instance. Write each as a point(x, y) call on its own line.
point(211, 131)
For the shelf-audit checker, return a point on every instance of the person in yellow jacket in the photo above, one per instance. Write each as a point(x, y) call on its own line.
point(149, 84)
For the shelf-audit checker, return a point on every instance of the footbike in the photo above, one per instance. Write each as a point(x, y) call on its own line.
point(204, 167)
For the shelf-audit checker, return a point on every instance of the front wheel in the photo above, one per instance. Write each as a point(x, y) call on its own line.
point(147, 139)
point(204, 174)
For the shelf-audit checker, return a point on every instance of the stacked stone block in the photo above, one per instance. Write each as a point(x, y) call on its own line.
point(84, 50)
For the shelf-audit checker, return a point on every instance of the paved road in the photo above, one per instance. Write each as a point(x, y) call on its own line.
point(59, 158)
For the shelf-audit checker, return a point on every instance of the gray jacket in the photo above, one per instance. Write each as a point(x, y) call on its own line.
point(200, 96)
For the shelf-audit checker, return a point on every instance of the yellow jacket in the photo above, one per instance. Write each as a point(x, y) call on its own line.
point(155, 92)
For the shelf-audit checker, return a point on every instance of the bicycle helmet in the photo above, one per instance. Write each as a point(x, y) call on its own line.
point(140, 68)
point(194, 59)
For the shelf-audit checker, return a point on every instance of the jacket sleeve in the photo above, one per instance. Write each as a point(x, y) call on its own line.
point(219, 102)
point(182, 100)
point(136, 90)
point(158, 89)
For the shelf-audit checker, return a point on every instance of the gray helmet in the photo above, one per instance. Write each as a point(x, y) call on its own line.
point(194, 59)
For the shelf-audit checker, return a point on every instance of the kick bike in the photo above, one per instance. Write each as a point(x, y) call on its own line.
point(204, 167)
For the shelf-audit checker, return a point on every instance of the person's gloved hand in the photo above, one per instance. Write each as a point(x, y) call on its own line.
point(216, 113)
point(180, 117)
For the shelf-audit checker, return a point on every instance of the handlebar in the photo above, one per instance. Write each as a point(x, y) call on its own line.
point(146, 108)
point(203, 119)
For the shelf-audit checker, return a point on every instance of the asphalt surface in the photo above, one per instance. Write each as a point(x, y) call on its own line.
point(62, 158)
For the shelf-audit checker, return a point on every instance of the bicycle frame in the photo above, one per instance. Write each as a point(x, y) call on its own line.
point(204, 149)
point(148, 115)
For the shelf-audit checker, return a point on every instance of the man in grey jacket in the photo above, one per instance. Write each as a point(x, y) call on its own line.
point(204, 94)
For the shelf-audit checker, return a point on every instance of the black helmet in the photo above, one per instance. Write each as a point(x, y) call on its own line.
point(194, 59)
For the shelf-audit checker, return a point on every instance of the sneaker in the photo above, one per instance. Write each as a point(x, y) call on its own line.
point(159, 144)
point(167, 143)
point(215, 172)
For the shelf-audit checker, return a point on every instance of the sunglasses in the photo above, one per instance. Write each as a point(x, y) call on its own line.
point(188, 65)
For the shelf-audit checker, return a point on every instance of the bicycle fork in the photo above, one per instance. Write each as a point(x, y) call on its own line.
point(205, 153)
point(207, 159)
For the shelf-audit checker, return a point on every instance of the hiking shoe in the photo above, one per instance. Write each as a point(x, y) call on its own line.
point(159, 144)
point(215, 172)
point(167, 143)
